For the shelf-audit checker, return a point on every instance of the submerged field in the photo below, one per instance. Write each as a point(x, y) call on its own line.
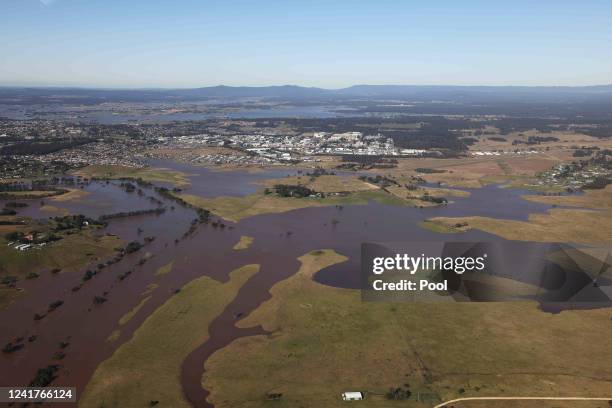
point(237, 208)
point(324, 340)
point(590, 222)
point(70, 254)
point(147, 368)
point(336, 190)
point(173, 177)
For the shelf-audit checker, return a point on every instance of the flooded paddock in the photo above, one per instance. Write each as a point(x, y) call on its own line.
point(279, 239)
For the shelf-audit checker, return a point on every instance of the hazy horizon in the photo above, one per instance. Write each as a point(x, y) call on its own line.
point(144, 88)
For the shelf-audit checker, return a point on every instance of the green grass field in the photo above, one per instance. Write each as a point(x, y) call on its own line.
point(70, 254)
point(326, 341)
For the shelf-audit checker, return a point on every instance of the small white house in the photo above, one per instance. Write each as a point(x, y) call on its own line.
point(352, 396)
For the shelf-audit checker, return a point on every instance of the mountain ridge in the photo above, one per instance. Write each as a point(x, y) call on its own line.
point(423, 93)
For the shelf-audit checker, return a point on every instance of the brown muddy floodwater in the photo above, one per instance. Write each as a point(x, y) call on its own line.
point(207, 251)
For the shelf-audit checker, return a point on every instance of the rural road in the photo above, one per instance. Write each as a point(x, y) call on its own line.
point(444, 404)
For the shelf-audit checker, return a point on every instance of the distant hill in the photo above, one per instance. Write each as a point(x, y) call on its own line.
point(373, 90)
point(396, 91)
point(281, 91)
point(428, 93)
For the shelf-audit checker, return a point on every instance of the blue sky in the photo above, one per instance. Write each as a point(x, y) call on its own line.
point(327, 43)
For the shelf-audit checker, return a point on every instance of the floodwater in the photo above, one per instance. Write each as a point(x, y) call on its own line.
point(279, 240)
point(209, 183)
point(108, 117)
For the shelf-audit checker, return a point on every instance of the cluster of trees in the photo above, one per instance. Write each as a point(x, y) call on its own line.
point(382, 181)
point(14, 204)
point(128, 187)
point(513, 124)
point(586, 151)
point(8, 211)
point(428, 136)
point(296, 191)
point(124, 214)
point(432, 199)
point(320, 171)
point(9, 281)
point(599, 183)
point(29, 147)
point(582, 153)
point(11, 347)
point(368, 161)
point(497, 139)
point(47, 184)
point(98, 300)
point(133, 247)
point(44, 376)
point(52, 306)
point(88, 275)
point(69, 222)
point(541, 139)
point(399, 393)
point(204, 216)
point(426, 170)
point(55, 304)
point(49, 193)
point(358, 162)
point(600, 131)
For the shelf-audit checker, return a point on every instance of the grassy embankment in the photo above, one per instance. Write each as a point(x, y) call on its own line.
point(145, 296)
point(147, 367)
point(72, 194)
point(129, 315)
point(153, 175)
point(326, 341)
point(592, 224)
